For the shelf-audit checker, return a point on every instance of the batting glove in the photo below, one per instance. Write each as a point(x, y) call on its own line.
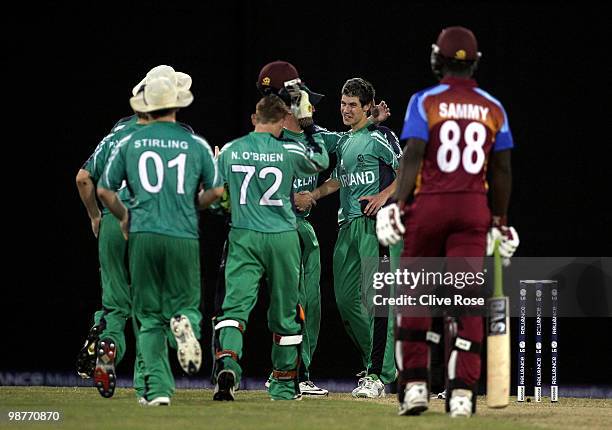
point(506, 236)
point(389, 225)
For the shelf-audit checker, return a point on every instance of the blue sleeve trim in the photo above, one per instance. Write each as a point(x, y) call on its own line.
point(415, 121)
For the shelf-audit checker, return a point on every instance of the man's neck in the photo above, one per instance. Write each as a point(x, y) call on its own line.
point(292, 124)
point(360, 124)
point(267, 128)
point(167, 118)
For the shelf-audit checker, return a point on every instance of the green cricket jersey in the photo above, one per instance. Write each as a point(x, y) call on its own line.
point(164, 165)
point(366, 166)
point(309, 183)
point(259, 170)
point(96, 162)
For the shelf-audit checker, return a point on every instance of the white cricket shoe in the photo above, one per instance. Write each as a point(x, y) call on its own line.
point(188, 348)
point(359, 386)
point(461, 403)
point(308, 388)
point(369, 388)
point(158, 401)
point(416, 399)
point(142, 401)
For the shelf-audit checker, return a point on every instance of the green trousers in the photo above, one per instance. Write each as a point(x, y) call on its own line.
point(356, 258)
point(116, 293)
point(165, 274)
point(310, 293)
point(251, 256)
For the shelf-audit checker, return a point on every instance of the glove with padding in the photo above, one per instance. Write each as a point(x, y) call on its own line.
point(301, 107)
point(508, 240)
point(389, 224)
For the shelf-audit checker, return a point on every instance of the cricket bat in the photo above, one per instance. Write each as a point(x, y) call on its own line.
point(498, 340)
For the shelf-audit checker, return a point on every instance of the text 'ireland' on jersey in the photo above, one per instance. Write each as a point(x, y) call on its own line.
point(461, 124)
point(259, 170)
point(366, 166)
point(164, 166)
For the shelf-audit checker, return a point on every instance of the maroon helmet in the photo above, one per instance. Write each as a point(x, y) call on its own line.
point(456, 48)
point(273, 76)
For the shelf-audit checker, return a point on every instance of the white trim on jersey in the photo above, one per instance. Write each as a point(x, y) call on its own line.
point(114, 155)
point(206, 145)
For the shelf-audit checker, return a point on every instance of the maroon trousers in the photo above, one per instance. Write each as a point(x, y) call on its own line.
point(437, 225)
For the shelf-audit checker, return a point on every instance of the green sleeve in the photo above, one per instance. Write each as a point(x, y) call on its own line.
point(304, 160)
point(115, 169)
point(209, 164)
point(95, 164)
point(330, 139)
point(221, 169)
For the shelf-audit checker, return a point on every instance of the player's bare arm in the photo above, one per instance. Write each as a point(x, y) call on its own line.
point(500, 183)
point(389, 223)
point(409, 168)
point(377, 201)
point(206, 198)
point(501, 187)
point(328, 187)
point(113, 203)
point(87, 192)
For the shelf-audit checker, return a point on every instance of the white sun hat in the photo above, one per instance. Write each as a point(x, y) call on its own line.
point(160, 93)
point(180, 79)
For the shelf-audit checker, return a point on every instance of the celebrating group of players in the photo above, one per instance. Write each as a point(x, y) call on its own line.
point(154, 174)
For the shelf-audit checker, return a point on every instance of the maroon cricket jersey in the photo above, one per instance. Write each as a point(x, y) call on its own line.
point(461, 124)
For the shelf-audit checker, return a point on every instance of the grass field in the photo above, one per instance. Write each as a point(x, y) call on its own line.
point(83, 408)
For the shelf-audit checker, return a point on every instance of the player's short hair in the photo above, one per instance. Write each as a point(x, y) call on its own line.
point(270, 109)
point(359, 87)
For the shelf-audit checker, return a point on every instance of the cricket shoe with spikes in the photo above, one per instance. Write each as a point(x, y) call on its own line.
point(416, 399)
point(104, 374)
point(224, 389)
point(86, 359)
point(188, 348)
point(461, 403)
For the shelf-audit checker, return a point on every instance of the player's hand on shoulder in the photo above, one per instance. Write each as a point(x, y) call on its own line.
point(303, 200)
point(506, 236)
point(390, 225)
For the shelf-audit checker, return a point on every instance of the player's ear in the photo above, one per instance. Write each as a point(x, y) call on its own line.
point(254, 119)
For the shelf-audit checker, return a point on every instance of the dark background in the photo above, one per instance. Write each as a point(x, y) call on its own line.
point(546, 63)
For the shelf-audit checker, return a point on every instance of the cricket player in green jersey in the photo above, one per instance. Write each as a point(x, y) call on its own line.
point(164, 167)
point(365, 176)
point(109, 322)
point(278, 77)
point(259, 169)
